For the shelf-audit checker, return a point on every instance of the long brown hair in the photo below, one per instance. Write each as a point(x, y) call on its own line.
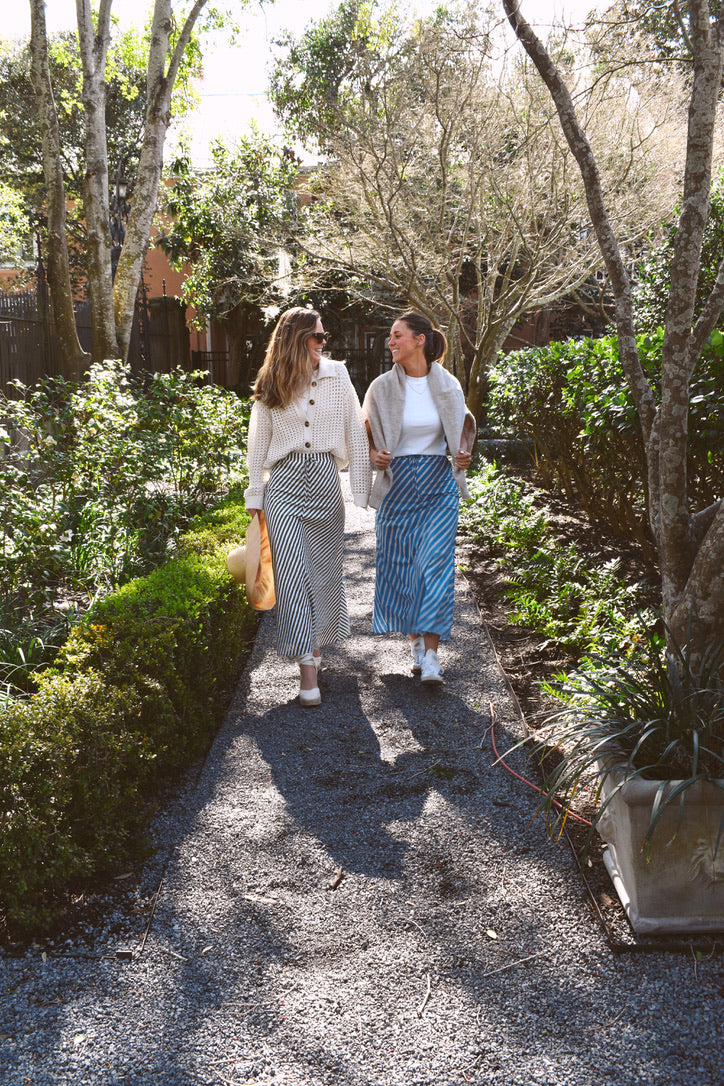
point(287, 365)
point(435, 342)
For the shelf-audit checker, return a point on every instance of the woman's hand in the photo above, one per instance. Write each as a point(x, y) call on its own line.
point(381, 458)
point(253, 512)
point(462, 460)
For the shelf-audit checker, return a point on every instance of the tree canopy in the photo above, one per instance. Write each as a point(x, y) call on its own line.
point(445, 183)
point(659, 31)
point(71, 81)
point(231, 226)
point(21, 161)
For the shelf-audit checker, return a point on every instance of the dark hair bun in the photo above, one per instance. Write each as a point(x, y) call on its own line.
point(435, 342)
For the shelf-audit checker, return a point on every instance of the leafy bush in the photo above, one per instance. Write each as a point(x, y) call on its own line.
point(99, 479)
point(133, 696)
point(653, 273)
point(501, 513)
point(631, 701)
point(583, 606)
point(572, 402)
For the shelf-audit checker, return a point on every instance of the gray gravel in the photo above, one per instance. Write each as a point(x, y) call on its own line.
point(458, 946)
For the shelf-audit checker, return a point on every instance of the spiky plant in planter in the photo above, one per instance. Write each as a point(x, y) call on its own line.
point(649, 732)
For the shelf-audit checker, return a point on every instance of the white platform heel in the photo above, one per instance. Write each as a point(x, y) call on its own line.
point(313, 696)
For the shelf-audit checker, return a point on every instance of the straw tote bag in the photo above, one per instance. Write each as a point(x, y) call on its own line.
point(251, 565)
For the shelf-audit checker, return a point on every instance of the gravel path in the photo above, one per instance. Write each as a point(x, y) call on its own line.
point(457, 947)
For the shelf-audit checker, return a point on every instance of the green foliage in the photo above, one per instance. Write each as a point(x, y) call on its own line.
point(572, 402)
point(501, 514)
point(21, 142)
point(14, 225)
point(438, 170)
point(583, 606)
point(230, 225)
point(125, 110)
point(653, 274)
point(98, 482)
point(134, 696)
point(315, 71)
point(632, 702)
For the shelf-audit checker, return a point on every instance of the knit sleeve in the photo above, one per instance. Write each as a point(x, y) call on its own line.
point(259, 439)
point(358, 448)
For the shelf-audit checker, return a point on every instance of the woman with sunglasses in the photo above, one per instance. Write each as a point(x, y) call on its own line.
point(416, 417)
point(305, 425)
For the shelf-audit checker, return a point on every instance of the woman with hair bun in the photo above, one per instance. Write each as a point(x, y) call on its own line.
point(416, 417)
point(305, 425)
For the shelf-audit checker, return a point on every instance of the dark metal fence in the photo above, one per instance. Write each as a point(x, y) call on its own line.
point(216, 363)
point(29, 346)
point(159, 341)
point(364, 366)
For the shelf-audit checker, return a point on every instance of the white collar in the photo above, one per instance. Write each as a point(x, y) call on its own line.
point(327, 368)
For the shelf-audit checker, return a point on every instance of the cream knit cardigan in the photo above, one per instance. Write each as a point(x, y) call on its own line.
point(383, 407)
point(327, 419)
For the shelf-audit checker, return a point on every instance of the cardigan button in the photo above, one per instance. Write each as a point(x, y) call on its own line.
point(307, 423)
point(311, 401)
point(314, 384)
point(307, 444)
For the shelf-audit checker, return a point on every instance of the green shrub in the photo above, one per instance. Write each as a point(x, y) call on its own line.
point(656, 715)
point(573, 404)
point(72, 767)
point(99, 480)
point(134, 695)
point(584, 606)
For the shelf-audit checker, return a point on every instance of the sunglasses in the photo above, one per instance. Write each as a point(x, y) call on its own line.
point(321, 337)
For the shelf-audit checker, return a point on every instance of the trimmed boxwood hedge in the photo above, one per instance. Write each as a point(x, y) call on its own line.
point(134, 695)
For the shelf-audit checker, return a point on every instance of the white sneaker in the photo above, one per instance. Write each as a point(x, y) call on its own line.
point(418, 654)
point(431, 670)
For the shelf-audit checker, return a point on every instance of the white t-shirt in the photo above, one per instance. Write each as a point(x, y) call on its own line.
point(422, 432)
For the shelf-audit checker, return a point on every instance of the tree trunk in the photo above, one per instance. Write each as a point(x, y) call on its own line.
point(93, 51)
point(160, 83)
point(690, 550)
point(73, 359)
point(484, 358)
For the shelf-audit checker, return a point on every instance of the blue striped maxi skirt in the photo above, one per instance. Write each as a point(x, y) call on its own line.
point(304, 511)
point(416, 526)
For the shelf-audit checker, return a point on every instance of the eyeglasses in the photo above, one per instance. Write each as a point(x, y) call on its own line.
point(321, 337)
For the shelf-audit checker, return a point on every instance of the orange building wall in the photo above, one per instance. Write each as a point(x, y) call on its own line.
point(160, 278)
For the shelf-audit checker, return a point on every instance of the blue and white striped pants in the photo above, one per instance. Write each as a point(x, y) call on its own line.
point(416, 526)
point(304, 511)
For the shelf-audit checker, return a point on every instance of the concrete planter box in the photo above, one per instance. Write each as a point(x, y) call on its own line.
point(681, 887)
